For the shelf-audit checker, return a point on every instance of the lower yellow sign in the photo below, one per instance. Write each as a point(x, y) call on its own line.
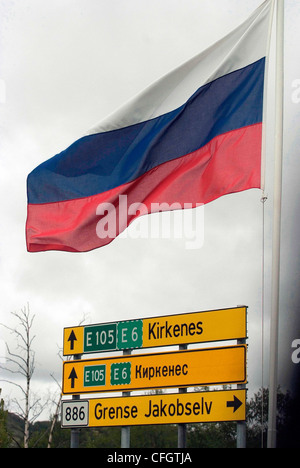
point(207, 366)
point(196, 407)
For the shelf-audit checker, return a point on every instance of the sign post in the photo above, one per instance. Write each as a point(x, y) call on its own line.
point(181, 430)
point(75, 431)
point(125, 431)
point(241, 426)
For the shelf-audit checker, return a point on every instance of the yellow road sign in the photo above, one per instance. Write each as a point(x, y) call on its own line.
point(209, 366)
point(214, 325)
point(194, 327)
point(214, 406)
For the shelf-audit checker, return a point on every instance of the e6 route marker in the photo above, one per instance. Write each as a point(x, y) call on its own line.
point(187, 328)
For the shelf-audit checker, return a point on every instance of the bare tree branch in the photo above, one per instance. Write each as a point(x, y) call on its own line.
point(22, 362)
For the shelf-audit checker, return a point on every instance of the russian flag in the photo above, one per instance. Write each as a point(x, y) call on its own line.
point(189, 138)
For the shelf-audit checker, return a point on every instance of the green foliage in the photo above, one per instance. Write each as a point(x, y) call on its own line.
point(159, 436)
point(288, 433)
point(5, 438)
point(212, 435)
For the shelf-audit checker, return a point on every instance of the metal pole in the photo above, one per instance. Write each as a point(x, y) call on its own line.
point(241, 437)
point(125, 430)
point(181, 431)
point(75, 432)
point(276, 227)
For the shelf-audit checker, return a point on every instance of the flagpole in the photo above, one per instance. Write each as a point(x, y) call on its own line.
point(276, 226)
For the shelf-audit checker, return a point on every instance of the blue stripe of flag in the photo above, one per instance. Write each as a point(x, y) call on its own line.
point(97, 163)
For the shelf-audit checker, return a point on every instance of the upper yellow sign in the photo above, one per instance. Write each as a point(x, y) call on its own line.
point(188, 328)
point(197, 327)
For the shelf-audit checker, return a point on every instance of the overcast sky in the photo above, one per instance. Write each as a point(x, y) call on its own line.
point(65, 65)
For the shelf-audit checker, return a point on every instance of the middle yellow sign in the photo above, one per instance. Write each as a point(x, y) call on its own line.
point(207, 366)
